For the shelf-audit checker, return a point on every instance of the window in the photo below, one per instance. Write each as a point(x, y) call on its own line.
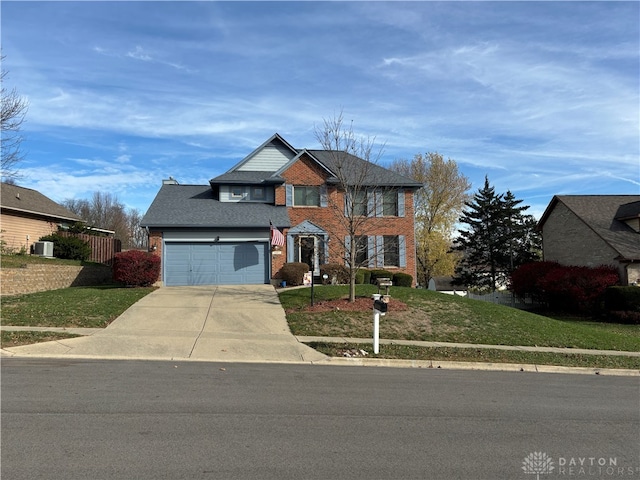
point(306, 196)
point(360, 203)
point(257, 193)
point(391, 251)
point(390, 204)
point(236, 192)
point(362, 250)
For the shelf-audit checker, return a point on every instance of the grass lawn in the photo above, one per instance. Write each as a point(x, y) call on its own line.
point(15, 339)
point(18, 261)
point(84, 307)
point(480, 355)
point(431, 316)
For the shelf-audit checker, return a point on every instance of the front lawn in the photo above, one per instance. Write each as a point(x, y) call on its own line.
point(431, 316)
point(83, 307)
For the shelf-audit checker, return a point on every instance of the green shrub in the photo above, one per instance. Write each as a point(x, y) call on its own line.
point(375, 274)
point(622, 304)
point(402, 280)
point(135, 268)
point(360, 277)
point(337, 274)
point(367, 277)
point(71, 248)
point(622, 298)
point(293, 273)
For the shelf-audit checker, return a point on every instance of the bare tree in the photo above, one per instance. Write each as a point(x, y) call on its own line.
point(13, 112)
point(353, 162)
point(105, 211)
point(138, 237)
point(438, 205)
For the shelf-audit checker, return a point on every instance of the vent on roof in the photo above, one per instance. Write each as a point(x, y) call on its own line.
point(170, 181)
point(43, 249)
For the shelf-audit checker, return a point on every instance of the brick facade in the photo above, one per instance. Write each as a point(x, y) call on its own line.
point(307, 172)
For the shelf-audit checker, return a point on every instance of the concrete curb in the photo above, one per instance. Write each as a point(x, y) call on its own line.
point(493, 367)
point(365, 362)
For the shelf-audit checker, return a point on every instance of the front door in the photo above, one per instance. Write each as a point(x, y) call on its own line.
point(308, 253)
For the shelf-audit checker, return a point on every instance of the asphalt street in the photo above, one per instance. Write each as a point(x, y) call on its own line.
point(98, 419)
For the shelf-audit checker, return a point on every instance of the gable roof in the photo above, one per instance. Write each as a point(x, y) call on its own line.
point(195, 206)
point(355, 170)
point(358, 171)
point(274, 140)
point(26, 200)
point(602, 214)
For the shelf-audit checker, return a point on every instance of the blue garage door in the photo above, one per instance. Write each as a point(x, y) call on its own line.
point(215, 263)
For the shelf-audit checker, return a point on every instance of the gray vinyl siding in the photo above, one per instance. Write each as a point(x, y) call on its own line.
point(226, 194)
point(270, 159)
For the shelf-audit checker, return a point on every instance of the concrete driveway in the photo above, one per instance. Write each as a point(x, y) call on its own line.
point(243, 323)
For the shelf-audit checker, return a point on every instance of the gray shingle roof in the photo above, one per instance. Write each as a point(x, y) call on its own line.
point(195, 206)
point(357, 171)
point(599, 212)
point(20, 199)
point(247, 178)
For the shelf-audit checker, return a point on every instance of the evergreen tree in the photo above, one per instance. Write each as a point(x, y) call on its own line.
point(499, 237)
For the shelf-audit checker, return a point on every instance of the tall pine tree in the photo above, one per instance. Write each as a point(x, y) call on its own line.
point(499, 237)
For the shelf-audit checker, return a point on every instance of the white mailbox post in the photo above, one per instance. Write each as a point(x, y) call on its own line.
point(379, 310)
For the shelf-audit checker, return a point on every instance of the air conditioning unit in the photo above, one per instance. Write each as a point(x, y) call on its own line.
point(44, 249)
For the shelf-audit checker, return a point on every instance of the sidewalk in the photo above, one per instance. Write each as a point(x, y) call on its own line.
point(346, 340)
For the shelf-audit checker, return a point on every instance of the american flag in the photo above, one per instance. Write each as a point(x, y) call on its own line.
point(277, 238)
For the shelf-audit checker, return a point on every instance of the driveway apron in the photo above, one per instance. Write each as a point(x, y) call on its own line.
point(243, 323)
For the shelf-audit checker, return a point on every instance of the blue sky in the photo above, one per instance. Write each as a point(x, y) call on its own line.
point(542, 97)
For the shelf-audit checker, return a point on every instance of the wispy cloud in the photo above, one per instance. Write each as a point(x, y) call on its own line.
point(542, 96)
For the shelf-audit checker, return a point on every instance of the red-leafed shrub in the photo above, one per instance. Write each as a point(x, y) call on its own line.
point(524, 279)
point(135, 268)
point(571, 288)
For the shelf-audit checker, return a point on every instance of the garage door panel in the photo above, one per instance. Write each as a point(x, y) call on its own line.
point(215, 263)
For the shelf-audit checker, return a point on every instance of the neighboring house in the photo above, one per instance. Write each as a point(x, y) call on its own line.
point(593, 230)
point(27, 215)
point(220, 233)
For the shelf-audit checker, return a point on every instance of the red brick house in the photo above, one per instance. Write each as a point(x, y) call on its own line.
point(221, 233)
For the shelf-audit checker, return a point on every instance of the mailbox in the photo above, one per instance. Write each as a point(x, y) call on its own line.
point(380, 306)
point(384, 282)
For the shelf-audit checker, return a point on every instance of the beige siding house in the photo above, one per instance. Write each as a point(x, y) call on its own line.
point(593, 230)
point(26, 215)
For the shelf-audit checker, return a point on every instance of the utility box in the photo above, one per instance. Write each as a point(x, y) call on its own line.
point(43, 249)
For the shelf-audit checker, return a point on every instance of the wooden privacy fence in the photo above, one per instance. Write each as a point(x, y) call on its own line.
point(103, 249)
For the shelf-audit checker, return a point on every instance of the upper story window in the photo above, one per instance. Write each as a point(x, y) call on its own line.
point(360, 203)
point(258, 193)
point(237, 192)
point(390, 203)
point(306, 196)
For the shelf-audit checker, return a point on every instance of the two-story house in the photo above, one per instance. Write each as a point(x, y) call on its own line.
point(281, 204)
